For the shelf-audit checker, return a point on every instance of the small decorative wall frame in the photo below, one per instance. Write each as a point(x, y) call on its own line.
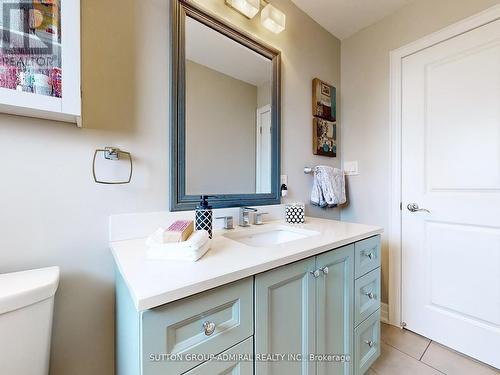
point(324, 102)
point(324, 137)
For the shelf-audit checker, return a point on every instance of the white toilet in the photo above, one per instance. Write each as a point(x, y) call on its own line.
point(26, 309)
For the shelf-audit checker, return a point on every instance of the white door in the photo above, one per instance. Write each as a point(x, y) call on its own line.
point(263, 152)
point(451, 167)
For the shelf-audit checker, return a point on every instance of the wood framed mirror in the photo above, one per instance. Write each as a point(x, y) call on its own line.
point(225, 113)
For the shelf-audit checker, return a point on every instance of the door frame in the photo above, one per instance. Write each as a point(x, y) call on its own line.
point(394, 233)
point(258, 146)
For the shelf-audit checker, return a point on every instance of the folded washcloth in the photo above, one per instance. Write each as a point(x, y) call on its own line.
point(192, 249)
point(328, 187)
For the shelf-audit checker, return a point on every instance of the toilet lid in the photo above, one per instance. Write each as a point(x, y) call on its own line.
point(21, 289)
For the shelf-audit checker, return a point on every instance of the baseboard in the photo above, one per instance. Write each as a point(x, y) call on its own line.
point(384, 313)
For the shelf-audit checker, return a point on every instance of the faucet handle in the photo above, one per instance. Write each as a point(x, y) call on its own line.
point(228, 221)
point(248, 209)
point(257, 219)
point(245, 215)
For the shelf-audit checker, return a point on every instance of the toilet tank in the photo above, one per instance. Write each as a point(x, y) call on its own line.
point(26, 309)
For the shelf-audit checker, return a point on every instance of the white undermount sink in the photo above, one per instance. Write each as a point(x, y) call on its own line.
point(269, 236)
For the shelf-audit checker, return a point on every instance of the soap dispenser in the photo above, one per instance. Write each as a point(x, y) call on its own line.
point(204, 215)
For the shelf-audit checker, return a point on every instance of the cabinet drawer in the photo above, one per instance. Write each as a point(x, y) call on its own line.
point(367, 255)
point(178, 327)
point(226, 365)
point(367, 343)
point(367, 295)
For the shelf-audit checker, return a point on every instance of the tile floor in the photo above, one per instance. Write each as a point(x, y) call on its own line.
point(406, 353)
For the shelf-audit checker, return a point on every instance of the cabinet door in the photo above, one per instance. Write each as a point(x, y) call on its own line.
point(285, 311)
point(334, 312)
point(235, 361)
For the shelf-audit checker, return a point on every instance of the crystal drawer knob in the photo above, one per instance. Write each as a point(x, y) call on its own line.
point(370, 295)
point(325, 270)
point(209, 328)
point(315, 273)
point(370, 255)
point(370, 343)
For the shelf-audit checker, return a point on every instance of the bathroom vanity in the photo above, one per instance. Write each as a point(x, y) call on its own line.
point(261, 301)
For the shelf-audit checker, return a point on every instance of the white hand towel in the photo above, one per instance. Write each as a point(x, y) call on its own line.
point(193, 249)
point(328, 187)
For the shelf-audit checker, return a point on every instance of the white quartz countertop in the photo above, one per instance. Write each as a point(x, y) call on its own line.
point(155, 282)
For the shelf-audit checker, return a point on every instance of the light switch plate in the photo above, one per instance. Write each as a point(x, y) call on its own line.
point(351, 168)
point(284, 179)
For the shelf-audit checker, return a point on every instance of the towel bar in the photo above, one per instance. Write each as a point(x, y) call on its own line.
point(309, 170)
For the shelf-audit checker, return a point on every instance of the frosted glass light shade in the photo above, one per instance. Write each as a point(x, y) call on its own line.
point(249, 8)
point(273, 19)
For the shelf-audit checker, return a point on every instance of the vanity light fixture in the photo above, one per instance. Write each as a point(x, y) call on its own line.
point(249, 8)
point(271, 17)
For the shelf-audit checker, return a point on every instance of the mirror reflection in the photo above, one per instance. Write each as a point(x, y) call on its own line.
point(228, 115)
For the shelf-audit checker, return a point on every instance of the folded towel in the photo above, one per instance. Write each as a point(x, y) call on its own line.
point(328, 187)
point(192, 249)
point(158, 253)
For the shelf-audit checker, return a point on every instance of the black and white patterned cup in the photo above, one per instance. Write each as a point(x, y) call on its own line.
point(295, 213)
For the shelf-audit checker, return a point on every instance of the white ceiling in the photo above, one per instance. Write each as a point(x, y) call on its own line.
point(216, 51)
point(343, 18)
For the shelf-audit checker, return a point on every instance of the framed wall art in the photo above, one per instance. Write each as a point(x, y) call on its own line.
point(324, 137)
point(324, 100)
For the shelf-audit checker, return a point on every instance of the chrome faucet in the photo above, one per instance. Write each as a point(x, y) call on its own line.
point(244, 216)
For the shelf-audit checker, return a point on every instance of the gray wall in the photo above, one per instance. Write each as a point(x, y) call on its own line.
point(52, 213)
point(365, 102)
point(220, 132)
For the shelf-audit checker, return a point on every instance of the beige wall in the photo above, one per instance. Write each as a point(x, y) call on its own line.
point(365, 101)
point(52, 213)
point(220, 132)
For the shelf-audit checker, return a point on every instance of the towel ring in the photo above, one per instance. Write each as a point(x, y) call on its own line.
point(112, 153)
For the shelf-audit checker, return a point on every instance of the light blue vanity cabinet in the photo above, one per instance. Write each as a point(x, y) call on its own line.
point(226, 365)
point(205, 324)
point(285, 317)
point(306, 308)
point(327, 304)
point(335, 306)
point(367, 297)
point(367, 255)
point(367, 303)
point(367, 343)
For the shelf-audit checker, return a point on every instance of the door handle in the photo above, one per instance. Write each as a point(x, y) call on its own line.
point(413, 207)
